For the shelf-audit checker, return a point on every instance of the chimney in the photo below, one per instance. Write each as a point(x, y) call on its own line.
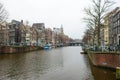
point(22, 21)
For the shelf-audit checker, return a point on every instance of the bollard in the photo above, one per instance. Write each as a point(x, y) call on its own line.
point(118, 73)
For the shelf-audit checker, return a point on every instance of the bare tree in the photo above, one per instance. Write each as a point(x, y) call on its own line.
point(3, 13)
point(91, 24)
point(95, 15)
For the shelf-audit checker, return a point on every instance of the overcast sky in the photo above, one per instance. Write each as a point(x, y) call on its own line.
point(53, 13)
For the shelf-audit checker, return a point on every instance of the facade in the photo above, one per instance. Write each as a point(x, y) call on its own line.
point(110, 27)
point(4, 38)
point(28, 35)
point(48, 36)
point(58, 30)
point(106, 31)
point(57, 36)
point(102, 35)
point(17, 33)
point(65, 39)
point(114, 26)
point(40, 30)
point(33, 36)
point(22, 30)
point(14, 33)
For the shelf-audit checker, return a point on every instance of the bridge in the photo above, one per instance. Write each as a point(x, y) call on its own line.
point(76, 42)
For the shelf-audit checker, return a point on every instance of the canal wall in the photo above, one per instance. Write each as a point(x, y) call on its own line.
point(110, 60)
point(18, 49)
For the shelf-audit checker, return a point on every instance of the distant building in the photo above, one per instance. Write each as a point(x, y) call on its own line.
point(22, 30)
point(40, 30)
point(58, 30)
point(28, 36)
point(48, 36)
point(57, 35)
point(33, 36)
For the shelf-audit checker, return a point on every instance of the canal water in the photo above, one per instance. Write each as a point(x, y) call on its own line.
point(56, 64)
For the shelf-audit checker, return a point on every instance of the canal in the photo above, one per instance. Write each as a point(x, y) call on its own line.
point(56, 64)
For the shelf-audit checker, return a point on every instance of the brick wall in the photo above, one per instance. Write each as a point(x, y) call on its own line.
point(105, 59)
point(8, 49)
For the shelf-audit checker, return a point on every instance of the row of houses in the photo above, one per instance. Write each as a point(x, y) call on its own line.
point(17, 33)
point(112, 27)
point(110, 30)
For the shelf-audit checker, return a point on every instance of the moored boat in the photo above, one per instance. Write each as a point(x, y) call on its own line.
point(47, 46)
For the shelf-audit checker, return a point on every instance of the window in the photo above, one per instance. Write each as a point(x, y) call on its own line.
point(119, 29)
point(118, 22)
point(118, 15)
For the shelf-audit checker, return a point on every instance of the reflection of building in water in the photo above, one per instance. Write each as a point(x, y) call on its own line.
point(42, 62)
point(100, 73)
point(11, 65)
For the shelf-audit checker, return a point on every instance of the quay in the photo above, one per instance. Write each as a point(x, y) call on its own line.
point(18, 49)
point(109, 60)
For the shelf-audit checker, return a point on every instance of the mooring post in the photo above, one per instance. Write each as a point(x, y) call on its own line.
point(118, 73)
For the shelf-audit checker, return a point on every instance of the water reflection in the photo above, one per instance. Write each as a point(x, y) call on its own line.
point(11, 66)
point(100, 73)
point(57, 64)
point(29, 65)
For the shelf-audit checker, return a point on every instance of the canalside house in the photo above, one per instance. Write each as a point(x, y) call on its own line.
point(28, 37)
point(22, 35)
point(56, 32)
point(57, 36)
point(114, 26)
point(33, 36)
point(17, 33)
point(14, 34)
point(40, 31)
point(102, 35)
point(4, 37)
point(48, 36)
point(106, 30)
